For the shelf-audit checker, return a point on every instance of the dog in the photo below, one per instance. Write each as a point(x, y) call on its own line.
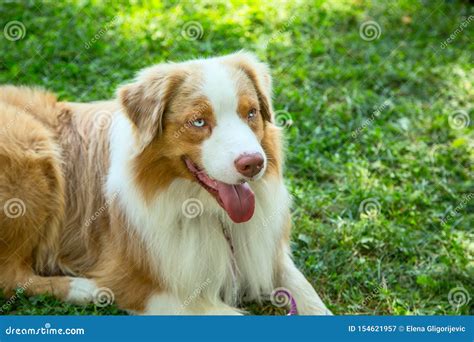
point(167, 200)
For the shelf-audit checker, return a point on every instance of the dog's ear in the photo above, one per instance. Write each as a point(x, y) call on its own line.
point(259, 74)
point(145, 101)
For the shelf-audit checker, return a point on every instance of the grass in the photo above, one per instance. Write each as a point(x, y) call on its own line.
point(382, 177)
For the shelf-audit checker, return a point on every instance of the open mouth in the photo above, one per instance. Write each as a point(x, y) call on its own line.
point(238, 200)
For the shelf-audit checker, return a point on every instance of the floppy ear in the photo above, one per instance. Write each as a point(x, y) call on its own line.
point(145, 101)
point(259, 74)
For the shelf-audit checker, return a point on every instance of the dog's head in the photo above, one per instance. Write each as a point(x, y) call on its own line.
point(209, 121)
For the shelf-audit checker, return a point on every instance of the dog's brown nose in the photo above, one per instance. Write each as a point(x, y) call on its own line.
point(249, 164)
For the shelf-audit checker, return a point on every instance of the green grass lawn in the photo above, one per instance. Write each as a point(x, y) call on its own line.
point(379, 147)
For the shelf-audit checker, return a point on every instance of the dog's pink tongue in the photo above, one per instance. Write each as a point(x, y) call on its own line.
point(237, 200)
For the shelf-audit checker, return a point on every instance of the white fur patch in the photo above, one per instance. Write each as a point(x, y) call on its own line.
point(232, 137)
point(168, 304)
point(164, 304)
point(81, 290)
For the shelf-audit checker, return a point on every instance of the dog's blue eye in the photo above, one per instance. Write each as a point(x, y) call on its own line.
point(252, 114)
point(199, 123)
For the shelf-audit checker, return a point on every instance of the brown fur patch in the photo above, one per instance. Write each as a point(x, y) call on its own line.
point(272, 145)
point(259, 74)
point(146, 100)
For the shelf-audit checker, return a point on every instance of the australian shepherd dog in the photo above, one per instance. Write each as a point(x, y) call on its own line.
point(168, 199)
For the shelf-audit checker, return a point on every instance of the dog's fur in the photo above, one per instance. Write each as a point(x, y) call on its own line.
point(92, 195)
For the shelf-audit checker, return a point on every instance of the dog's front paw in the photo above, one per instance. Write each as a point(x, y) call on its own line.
point(81, 291)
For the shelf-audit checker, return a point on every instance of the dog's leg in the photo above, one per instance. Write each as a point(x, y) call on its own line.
point(69, 289)
point(74, 290)
point(169, 304)
point(31, 199)
point(307, 300)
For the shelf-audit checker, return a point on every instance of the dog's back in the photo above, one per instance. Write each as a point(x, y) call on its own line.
point(40, 104)
point(53, 157)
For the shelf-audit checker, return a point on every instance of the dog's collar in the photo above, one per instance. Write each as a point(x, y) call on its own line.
point(228, 237)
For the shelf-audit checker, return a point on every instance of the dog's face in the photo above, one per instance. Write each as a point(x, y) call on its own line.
point(203, 120)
